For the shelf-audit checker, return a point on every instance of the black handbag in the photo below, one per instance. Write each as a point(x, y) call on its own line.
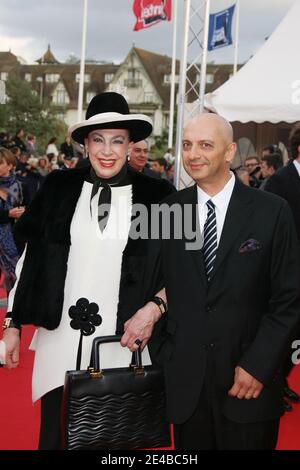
point(121, 408)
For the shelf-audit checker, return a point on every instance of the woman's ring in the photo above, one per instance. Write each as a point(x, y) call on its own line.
point(138, 342)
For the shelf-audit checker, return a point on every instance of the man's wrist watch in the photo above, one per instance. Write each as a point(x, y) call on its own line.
point(160, 303)
point(9, 323)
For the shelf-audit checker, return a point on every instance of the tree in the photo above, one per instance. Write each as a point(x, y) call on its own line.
point(23, 110)
point(72, 59)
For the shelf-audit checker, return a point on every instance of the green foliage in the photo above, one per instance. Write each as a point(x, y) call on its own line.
point(23, 110)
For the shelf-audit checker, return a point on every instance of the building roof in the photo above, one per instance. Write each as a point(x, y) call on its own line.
point(8, 58)
point(48, 57)
point(157, 66)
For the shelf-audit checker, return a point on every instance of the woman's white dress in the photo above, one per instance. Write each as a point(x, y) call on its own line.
point(94, 269)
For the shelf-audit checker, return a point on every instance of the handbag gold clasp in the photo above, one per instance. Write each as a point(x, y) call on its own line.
point(138, 370)
point(95, 374)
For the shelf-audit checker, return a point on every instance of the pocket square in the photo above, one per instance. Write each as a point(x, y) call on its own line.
point(250, 245)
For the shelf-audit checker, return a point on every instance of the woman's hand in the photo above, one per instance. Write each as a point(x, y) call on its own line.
point(11, 338)
point(140, 326)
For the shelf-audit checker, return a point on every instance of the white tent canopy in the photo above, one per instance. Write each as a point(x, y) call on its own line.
point(267, 88)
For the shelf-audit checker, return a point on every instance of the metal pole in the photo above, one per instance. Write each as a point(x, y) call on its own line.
point(204, 56)
point(42, 90)
point(82, 62)
point(236, 39)
point(173, 73)
point(181, 93)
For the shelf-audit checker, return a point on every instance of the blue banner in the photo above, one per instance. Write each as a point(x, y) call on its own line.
point(220, 26)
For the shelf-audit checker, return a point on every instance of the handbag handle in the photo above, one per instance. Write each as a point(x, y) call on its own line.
point(95, 354)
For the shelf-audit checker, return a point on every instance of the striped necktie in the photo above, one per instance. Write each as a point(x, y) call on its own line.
point(209, 248)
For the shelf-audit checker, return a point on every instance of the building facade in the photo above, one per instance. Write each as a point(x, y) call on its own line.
point(143, 77)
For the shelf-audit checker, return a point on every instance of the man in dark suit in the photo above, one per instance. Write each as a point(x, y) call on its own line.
point(233, 304)
point(286, 184)
point(138, 159)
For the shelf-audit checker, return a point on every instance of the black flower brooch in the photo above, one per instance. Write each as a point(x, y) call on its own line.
point(85, 318)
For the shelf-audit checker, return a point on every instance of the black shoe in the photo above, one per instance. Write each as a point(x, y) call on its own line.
point(287, 406)
point(291, 395)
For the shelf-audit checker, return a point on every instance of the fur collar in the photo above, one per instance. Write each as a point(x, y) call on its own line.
point(50, 214)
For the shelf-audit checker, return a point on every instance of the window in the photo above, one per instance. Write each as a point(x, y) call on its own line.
point(134, 78)
point(90, 95)
point(148, 97)
point(52, 77)
point(209, 78)
point(87, 78)
point(132, 74)
point(168, 77)
point(28, 77)
point(4, 76)
point(108, 77)
point(60, 95)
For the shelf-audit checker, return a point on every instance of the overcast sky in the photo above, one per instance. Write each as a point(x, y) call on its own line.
point(27, 26)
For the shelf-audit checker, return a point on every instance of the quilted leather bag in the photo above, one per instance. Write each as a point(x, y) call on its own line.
point(114, 409)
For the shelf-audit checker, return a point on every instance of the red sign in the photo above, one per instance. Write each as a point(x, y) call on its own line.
point(150, 12)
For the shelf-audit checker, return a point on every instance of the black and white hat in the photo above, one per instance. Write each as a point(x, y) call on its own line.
point(110, 110)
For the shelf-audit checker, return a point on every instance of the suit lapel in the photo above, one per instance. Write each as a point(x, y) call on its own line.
point(293, 173)
point(237, 216)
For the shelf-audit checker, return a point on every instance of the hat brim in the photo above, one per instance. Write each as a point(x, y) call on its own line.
point(138, 125)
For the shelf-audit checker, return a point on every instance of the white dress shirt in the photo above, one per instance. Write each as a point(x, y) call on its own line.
point(221, 202)
point(297, 165)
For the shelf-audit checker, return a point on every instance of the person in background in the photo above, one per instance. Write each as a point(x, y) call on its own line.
point(67, 148)
point(252, 165)
point(159, 166)
point(19, 142)
point(168, 156)
point(11, 208)
point(138, 158)
point(243, 175)
point(270, 149)
point(68, 163)
point(286, 184)
point(51, 148)
point(269, 165)
point(43, 166)
point(170, 172)
point(31, 144)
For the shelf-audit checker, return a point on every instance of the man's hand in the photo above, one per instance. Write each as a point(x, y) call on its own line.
point(16, 212)
point(245, 385)
point(140, 326)
point(11, 338)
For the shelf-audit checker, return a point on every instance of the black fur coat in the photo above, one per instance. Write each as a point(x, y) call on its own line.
point(45, 228)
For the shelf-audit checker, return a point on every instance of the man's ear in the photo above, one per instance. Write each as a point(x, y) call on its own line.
point(230, 152)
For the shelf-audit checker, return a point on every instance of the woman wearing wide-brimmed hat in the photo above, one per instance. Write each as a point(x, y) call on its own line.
point(76, 251)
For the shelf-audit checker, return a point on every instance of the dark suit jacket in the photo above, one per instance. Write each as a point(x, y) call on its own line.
point(286, 184)
point(246, 316)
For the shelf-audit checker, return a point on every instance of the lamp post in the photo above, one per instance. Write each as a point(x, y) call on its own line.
point(41, 80)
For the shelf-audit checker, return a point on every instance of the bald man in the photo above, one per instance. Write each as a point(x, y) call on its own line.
point(138, 158)
point(232, 283)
